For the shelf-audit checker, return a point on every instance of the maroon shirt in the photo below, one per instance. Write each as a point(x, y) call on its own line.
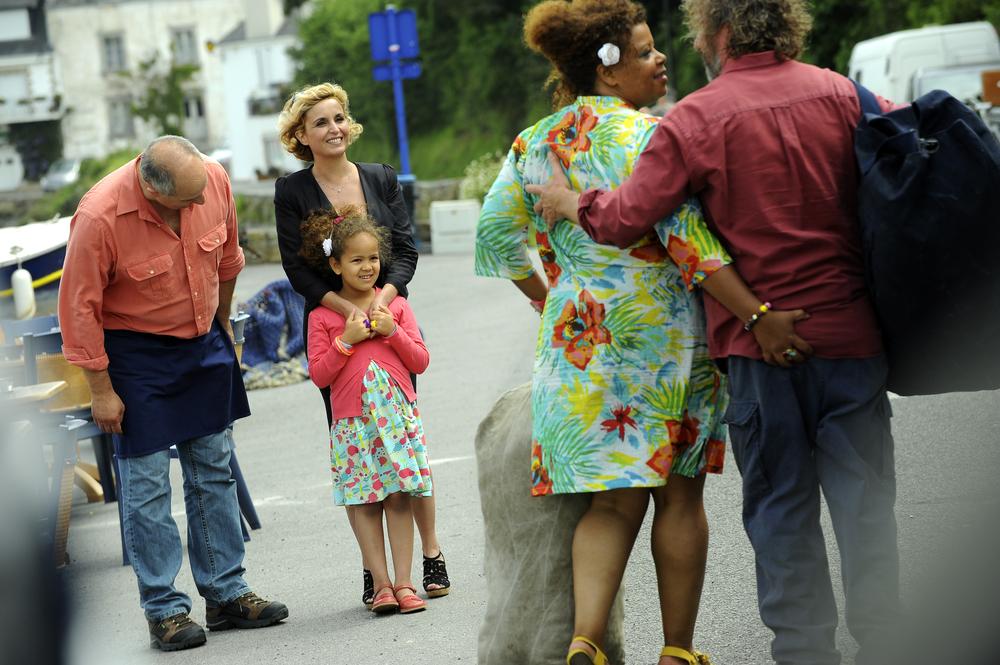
point(768, 148)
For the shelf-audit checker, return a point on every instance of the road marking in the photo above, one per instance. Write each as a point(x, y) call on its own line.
point(434, 463)
point(449, 460)
point(274, 500)
point(278, 501)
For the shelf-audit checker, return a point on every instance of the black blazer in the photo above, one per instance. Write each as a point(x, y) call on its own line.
point(298, 194)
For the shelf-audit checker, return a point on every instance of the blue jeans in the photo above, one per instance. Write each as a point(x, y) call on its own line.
point(823, 425)
point(215, 540)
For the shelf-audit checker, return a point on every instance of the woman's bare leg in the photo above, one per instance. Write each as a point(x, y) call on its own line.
point(602, 543)
point(424, 515)
point(680, 550)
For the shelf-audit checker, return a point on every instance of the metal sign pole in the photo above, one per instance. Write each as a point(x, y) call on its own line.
point(393, 36)
point(397, 91)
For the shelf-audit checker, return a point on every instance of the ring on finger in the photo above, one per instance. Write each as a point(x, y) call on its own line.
point(790, 353)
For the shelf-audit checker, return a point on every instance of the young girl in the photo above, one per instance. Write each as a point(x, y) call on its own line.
point(377, 449)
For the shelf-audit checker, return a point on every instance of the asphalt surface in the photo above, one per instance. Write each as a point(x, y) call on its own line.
point(481, 335)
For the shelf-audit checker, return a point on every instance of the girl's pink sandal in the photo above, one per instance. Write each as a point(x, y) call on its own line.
point(385, 601)
point(410, 602)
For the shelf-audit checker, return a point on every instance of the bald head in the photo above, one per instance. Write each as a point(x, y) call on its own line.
point(173, 171)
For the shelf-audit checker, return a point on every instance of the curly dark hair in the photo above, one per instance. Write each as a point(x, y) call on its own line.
point(570, 32)
point(340, 226)
point(754, 25)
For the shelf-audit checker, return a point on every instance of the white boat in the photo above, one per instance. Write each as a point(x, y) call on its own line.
point(40, 247)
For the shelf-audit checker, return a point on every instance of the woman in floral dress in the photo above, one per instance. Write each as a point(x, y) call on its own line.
point(624, 393)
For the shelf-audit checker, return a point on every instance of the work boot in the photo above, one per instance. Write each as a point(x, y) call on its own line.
point(175, 632)
point(247, 611)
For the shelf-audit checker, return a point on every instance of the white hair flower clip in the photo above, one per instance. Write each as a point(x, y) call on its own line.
point(609, 54)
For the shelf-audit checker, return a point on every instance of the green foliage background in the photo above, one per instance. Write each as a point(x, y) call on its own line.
point(64, 201)
point(481, 85)
point(161, 87)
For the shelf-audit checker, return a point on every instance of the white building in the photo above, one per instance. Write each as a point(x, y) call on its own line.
point(29, 90)
point(256, 73)
point(97, 42)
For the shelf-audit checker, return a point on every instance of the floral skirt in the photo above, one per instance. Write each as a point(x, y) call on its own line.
point(383, 450)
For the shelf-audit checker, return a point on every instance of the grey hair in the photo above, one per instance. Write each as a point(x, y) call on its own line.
point(153, 170)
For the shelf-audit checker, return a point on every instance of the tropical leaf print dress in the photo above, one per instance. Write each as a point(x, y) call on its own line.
point(624, 392)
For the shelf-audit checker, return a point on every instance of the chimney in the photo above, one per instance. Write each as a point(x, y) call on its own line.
point(263, 18)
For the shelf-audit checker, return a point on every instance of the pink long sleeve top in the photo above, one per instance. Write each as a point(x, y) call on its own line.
point(399, 355)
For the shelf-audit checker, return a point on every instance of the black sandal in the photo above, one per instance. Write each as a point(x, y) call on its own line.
point(435, 572)
point(368, 595)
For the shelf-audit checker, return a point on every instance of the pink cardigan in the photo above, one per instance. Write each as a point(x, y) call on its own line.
point(399, 354)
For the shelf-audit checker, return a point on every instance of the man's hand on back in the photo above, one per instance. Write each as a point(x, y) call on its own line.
point(556, 199)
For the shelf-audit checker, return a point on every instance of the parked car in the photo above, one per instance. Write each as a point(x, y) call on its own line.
point(964, 82)
point(224, 156)
point(62, 172)
point(886, 64)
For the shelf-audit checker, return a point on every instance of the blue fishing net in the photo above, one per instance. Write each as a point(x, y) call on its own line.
point(274, 330)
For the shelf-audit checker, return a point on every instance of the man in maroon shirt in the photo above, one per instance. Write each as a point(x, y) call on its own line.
point(768, 147)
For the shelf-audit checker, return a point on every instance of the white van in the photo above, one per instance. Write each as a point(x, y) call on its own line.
point(886, 65)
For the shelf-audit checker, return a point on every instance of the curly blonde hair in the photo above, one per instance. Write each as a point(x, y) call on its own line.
point(569, 34)
point(292, 118)
point(754, 25)
point(340, 226)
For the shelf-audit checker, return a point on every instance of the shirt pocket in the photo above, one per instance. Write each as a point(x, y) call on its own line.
point(152, 276)
point(213, 242)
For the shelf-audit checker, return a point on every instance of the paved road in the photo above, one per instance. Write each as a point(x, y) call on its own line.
point(481, 336)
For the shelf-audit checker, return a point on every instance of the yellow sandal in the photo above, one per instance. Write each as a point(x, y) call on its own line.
point(597, 659)
point(692, 657)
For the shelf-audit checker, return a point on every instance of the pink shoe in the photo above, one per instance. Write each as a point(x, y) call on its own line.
point(409, 602)
point(385, 601)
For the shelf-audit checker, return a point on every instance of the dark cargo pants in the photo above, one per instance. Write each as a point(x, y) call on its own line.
point(823, 425)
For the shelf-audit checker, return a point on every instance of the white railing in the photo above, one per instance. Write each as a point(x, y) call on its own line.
point(13, 111)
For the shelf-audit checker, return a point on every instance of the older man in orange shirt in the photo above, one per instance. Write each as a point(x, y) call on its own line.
point(144, 307)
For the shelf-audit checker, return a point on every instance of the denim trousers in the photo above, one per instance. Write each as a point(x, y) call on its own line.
point(822, 426)
point(215, 540)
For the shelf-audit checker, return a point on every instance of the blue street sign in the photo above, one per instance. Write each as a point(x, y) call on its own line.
point(393, 36)
point(407, 70)
point(405, 43)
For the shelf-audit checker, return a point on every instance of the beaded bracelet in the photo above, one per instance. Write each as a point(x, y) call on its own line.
point(343, 347)
point(752, 321)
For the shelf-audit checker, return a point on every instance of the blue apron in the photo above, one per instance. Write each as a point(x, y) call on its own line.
point(173, 389)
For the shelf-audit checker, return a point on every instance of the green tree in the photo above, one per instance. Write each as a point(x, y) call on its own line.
point(161, 100)
point(481, 85)
point(840, 24)
point(335, 47)
point(478, 87)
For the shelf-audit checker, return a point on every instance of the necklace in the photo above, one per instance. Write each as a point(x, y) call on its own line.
point(337, 188)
